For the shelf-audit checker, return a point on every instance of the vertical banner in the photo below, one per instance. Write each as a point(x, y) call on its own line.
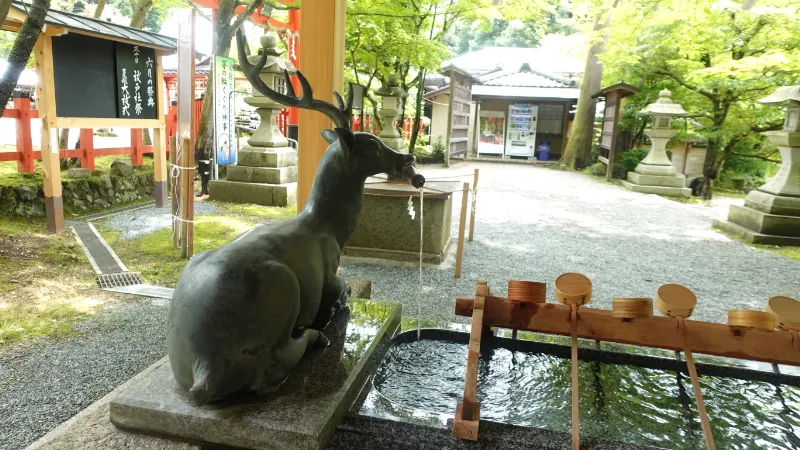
point(224, 125)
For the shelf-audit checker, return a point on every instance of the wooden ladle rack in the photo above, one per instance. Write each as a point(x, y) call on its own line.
point(769, 336)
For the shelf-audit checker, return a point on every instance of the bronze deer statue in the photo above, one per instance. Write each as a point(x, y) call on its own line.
point(244, 314)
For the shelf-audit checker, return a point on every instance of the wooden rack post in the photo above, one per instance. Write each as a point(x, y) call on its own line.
point(461, 225)
point(467, 417)
point(474, 203)
point(175, 191)
point(187, 199)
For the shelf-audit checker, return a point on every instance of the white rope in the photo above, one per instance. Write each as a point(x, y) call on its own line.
point(182, 220)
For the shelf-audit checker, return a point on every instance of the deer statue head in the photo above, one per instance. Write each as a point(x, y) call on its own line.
point(364, 154)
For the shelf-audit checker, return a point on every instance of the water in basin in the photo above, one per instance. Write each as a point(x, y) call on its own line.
point(618, 402)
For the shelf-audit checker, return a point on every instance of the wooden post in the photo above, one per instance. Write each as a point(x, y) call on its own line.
point(467, 416)
point(159, 136)
point(176, 193)
point(87, 148)
point(24, 144)
point(322, 62)
point(462, 223)
point(474, 203)
point(187, 199)
point(45, 91)
point(136, 147)
point(452, 75)
point(615, 98)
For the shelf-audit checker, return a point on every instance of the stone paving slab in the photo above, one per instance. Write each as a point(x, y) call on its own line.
point(302, 414)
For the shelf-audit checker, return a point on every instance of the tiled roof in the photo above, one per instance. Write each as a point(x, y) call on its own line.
point(113, 31)
point(525, 82)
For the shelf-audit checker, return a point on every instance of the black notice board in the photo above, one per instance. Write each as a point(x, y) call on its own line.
point(136, 81)
point(89, 83)
point(85, 81)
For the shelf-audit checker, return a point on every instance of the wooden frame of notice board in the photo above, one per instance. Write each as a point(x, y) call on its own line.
point(78, 74)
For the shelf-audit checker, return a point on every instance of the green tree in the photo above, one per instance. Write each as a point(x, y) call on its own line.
point(718, 59)
point(23, 45)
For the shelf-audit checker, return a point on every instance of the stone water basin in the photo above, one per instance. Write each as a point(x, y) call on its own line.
point(639, 398)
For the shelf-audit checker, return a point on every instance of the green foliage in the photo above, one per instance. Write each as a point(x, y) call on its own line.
point(78, 7)
point(716, 58)
point(627, 161)
point(513, 24)
point(597, 169)
point(427, 154)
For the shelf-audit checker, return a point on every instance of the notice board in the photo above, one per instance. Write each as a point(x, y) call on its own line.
point(97, 77)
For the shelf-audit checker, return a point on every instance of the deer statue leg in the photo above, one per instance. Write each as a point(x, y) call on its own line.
point(334, 297)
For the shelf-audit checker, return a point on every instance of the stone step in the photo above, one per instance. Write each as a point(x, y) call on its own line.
point(656, 180)
point(268, 175)
point(250, 156)
point(754, 237)
point(764, 223)
point(660, 190)
point(256, 193)
point(773, 204)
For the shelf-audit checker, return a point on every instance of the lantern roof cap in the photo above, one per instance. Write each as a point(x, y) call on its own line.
point(274, 64)
point(783, 95)
point(664, 106)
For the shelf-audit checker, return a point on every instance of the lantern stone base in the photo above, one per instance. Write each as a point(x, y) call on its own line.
point(765, 219)
point(264, 176)
point(658, 179)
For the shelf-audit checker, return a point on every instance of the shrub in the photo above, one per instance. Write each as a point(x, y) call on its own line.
point(627, 161)
point(428, 153)
point(597, 169)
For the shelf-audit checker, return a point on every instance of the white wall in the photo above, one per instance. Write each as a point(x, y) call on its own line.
point(440, 110)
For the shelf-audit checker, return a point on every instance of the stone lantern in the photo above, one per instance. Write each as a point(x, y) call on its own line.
point(266, 172)
point(771, 213)
point(267, 134)
point(656, 174)
point(390, 94)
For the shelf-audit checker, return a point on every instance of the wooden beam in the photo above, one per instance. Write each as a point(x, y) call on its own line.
point(462, 222)
point(159, 133)
point(474, 204)
point(103, 122)
point(612, 148)
point(51, 169)
point(709, 338)
point(322, 62)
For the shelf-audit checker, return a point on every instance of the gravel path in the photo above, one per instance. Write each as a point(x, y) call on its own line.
point(46, 382)
point(148, 220)
point(532, 223)
point(535, 223)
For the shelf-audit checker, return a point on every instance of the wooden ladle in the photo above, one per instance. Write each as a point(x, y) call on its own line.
point(787, 316)
point(677, 301)
point(575, 290)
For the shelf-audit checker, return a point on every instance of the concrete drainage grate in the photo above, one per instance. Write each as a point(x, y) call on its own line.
point(113, 280)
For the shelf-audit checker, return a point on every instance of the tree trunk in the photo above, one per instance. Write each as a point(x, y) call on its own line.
point(21, 51)
point(5, 5)
point(139, 13)
point(578, 153)
point(146, 140)
point(98, 10)
point(63, 138)
point(417, 112)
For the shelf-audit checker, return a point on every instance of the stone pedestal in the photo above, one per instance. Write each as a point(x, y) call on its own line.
point(386, 231)
point(266, 173)
point(771, 214)
point(302, 414)
point(656, 174)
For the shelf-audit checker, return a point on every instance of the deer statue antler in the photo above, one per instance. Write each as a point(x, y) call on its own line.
point(339, 115)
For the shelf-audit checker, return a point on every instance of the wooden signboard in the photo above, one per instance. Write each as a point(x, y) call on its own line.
point(98, 78)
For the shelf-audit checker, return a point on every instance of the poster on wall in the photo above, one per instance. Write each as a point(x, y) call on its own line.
point(224, 131)
point(136, 81)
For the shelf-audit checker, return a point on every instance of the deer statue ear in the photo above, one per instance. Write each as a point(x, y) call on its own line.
point(343, 135)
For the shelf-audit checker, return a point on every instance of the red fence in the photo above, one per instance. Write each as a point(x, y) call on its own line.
point(374, 128)
point(25, 155)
